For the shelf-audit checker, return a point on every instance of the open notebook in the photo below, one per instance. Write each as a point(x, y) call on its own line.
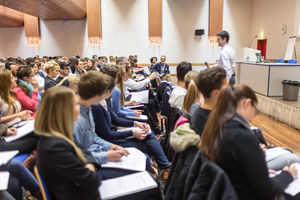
point(135, 161)
point(126, 185)
point(22, 131)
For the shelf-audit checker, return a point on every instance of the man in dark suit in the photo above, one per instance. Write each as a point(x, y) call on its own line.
point(162, 67)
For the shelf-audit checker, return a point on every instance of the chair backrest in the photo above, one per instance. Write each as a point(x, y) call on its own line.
point(280, 60)
point(293, 61)
point(44, 189)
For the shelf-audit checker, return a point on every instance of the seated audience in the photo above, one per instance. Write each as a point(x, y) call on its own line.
point(118, 100)
point(27, 89)
point(209, 83)
point(73, 82)
point(80, 67)
point(63, 74)
point(52, 70)
point(130, 84)
point(233, 146)
point(61, 163)
point(91, 90)
point(162, 68)
point(143, 141)
point(9, 104)
point(39, 79)
point(179, 91)
point(153, 61)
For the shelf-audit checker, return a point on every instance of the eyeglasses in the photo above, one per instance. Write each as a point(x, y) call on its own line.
point(67, 68)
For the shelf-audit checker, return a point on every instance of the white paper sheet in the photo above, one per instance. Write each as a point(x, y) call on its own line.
point(135, 161)
point(142, 96)
point(22, 131)
point(273, 153)
point(4, 176)
point(141, 117)
point(294, 187)
point(137, 106)
point(5, 156)
point(126, 185)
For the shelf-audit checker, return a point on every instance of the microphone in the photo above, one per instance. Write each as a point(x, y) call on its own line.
point(252, 40)
point(206, 65)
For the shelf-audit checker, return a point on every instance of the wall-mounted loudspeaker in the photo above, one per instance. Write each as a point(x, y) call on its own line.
point(199, 32)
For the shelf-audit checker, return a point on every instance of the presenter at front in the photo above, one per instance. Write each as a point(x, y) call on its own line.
point(227, 56)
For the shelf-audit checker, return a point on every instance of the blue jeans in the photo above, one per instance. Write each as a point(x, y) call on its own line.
point(20, 176)
point(149, 146)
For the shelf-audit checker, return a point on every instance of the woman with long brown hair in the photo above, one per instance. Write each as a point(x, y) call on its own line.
point(59, 160)
point(228, 140)
point(10, 106)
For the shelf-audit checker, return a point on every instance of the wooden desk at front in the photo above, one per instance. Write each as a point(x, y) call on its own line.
point(266, 78)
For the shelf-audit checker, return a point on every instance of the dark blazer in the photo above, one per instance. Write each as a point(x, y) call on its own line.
point(103, 120)
point(158, 68)
point(244, 162)
point(64, 173)
point(49, 82)
point(206, 180)
point(178, 173)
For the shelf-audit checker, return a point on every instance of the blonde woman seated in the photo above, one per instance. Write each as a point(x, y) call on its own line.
point(61, 163)
point(73, 81)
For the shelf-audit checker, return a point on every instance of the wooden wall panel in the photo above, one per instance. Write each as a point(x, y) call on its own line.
point(49, 9)
point(94, 18)
point(215, 17)
point(10, 17)
point(31, 24)
point(155, 18)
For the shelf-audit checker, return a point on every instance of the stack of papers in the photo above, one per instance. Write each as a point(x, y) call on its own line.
point(5, 156)
point(142, 96)
point(142, 118)
point(135, 161)
point(294, 187)
point(137, 106)
point(4, 176)
point(126, 185)
point(22, 131)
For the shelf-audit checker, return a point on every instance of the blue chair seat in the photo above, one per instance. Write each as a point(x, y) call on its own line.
point(21, 157)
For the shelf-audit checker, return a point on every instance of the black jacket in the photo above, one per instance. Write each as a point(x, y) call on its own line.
point(158, 68)
point(64, 173)
point(206, 180)
point(181, 164)
point(49, 82)
point(244, 162)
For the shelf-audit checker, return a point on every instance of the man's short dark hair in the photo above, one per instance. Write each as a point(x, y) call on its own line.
point(94, 83)
point(111, 70)
point(224, 34)
point(120, 60)
point(182, 69)
point(209, 80)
